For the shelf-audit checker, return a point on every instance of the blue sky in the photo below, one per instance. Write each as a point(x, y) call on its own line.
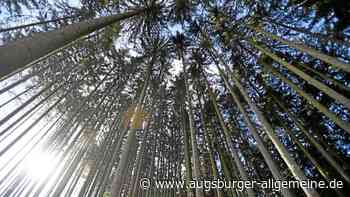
point(75, 3)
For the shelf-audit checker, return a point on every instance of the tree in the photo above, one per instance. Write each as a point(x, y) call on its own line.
point(112, 93)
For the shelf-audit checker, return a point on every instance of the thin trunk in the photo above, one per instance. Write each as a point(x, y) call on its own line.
point(314, 53)
point(233, 192)
point(69, 142)
point(109, 137)
point(341, 123)
point(38, 119)
point(89, 179)
point(314, 142)
point(325, 77)
point(327, 90)
point(28, 149)
point(138, 163)
point(260, 143)
point(115, 153)
point(19, 124)
point(8, 146)
point(66, 176)
point(194, 146)
point(18, 96)
point(99, 161)
point(293, 166)
point(37, 23)
point(30, 100)
point(107, 151)
point(22, 187)
point(74, 182)
point(187, 153)
point(125, 183)
point(213, 162)
point(233, 149)
point(291, 163)
point(26, 103)
point(131, 139)
point(318, 166)
point(322, 37)
point(210, 146)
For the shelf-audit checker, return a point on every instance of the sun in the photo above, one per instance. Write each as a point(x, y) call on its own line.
point(39, 165)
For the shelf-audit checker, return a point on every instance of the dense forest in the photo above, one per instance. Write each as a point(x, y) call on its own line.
point(97, 95)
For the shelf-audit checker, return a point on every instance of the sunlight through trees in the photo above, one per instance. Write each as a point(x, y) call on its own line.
point(97, 96)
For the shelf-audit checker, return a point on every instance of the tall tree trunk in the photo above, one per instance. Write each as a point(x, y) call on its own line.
point(232, 192)
point(314, 141)
point(231, 146)
point(209, 141)
point(187, 151)
point(219, 192)
point(134, 191)
point(260, 143)
point(325, 77)
point(108, 148)
point(47, 56)
point(314, 53)
point(72, 166)
point(18, 95)
point(291, 163)
point(69, 142)
point(75, 180)
point(115, 152)
point(314, 161)
point(327, 90)
point(131, 139)
point(139, 161)
point(194, 146)
point(29, 101)
point(322, 37)
point(20, 53)
point(37, 23)
point(341, 123)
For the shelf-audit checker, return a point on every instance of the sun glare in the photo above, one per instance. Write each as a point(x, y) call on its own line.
point(39, 165)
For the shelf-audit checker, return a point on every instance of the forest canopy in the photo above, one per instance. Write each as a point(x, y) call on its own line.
point(98, 95)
